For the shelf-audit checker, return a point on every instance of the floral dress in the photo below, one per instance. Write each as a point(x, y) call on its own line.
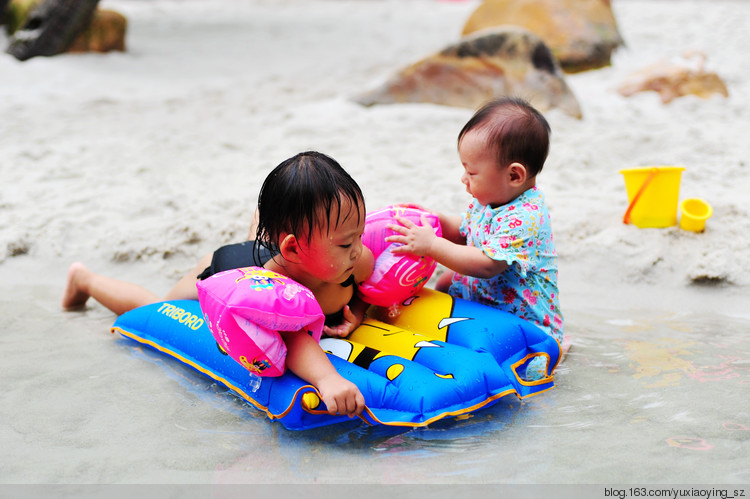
point(520, 234)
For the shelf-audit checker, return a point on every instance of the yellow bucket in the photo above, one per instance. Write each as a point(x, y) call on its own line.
point(694, 213)
point(653, 192)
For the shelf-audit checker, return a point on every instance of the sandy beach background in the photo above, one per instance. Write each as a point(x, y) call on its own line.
point(139, 163)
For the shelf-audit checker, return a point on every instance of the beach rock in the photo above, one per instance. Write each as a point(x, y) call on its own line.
point(15, 13)
point(3, 14)
point(502, 61)
point(582, 34)
point(676, 78)
point(105, 32)
point(51, 27)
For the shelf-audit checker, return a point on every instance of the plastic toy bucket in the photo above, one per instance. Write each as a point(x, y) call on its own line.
point(694, 213)
point(653, 193)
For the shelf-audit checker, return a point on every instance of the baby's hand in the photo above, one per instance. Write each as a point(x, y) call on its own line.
point(341, 396)
point(416, 239)
point(412, 205)
point(349, 324)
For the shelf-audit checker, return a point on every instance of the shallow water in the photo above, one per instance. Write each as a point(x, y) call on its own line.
point(642, 397)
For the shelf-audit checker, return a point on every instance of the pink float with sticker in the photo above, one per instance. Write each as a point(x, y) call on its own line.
point(246, 308)
point(395, 278)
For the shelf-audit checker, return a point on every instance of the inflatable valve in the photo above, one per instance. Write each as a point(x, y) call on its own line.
point(254, 382)
point(394, 310)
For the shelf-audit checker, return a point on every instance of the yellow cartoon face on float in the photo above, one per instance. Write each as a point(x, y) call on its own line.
point(375, 340)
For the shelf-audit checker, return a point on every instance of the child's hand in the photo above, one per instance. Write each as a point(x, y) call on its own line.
point(416, 239)
point(349, 324)
point(413, 205)
point(341, 396)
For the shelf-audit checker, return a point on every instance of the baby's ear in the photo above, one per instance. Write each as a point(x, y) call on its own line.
point(517, 173)
point(289, 248)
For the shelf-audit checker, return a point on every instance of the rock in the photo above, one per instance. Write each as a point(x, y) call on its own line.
point(675, 78)
point(51, 27)
point(3, 14)
point(16, 12)
point(582, 34)
point(105, 33)
point(503, 61)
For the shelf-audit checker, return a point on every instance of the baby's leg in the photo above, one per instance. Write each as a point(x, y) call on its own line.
point(185, 288)
point(118, 296)
point(444, 281)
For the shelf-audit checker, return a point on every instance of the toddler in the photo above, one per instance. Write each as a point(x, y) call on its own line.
point(310, 220)
point(500, 252)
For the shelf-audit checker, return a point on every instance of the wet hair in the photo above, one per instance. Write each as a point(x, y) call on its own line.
point(516, 132)
point(300, 195)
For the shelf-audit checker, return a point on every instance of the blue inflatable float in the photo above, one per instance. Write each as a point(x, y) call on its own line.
point(441, 357)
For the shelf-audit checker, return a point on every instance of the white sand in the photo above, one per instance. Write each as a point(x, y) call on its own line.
point(138, 163)
point(155, 156)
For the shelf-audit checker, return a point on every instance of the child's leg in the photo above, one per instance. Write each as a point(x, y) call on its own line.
point(185, 288)
point(118, 296)
point(444, 281)
point(121, 296)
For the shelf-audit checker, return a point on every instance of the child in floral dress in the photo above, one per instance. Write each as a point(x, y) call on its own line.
point(501, 252)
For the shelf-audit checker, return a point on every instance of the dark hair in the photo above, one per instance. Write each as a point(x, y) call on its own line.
point(299, 194)
point(516, 132)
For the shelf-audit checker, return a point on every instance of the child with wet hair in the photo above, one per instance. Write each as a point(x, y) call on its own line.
point(310, 220)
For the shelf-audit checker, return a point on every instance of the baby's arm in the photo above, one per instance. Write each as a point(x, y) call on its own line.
point(421, 240)
point(450, 226)
point(307, 360)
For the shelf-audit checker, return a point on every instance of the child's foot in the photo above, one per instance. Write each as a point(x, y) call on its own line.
point(75, 296)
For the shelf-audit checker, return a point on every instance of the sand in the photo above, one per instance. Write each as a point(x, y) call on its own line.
point(155, 156)
point(139, 163)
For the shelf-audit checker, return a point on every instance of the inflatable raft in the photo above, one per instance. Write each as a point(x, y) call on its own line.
point(441, 357)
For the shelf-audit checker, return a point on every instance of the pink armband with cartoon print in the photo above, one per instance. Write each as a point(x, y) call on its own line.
point(246, 308)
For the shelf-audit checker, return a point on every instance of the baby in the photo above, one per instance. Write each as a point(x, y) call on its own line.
point(501, 252)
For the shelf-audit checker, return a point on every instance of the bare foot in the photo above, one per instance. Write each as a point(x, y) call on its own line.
point(75, 295)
